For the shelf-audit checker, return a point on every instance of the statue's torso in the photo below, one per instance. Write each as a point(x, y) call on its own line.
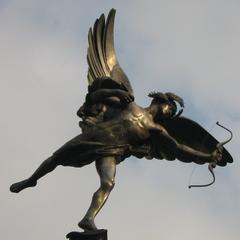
point(131, 126)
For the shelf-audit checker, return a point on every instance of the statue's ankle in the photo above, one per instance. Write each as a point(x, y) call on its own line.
point(32, 182)
point(87, 224)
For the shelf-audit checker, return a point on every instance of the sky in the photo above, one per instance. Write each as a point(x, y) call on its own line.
point(187, 47)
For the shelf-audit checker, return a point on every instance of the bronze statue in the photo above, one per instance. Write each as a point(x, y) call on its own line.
point(114, 127)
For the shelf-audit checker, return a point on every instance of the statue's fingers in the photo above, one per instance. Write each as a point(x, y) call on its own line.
point(220, 148)
point(128, 99)
point(219, 156)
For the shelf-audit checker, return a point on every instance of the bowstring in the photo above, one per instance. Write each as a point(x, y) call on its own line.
point(191, 174)
point(195, 166)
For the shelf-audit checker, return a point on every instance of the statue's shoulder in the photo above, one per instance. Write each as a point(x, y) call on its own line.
point(136, 112)
point(133, 107)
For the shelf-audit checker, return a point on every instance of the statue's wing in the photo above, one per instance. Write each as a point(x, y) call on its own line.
point(189, 133)
point(101, 55)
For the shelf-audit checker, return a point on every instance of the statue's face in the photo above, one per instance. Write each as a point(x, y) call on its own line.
point(167, 109)
point(162, 111)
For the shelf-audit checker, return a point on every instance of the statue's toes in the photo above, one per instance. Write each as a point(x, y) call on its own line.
point(15, 188)
point(19, 186)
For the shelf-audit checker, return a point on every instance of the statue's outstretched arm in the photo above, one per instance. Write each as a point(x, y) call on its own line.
point(186, 153)
point(183, 152)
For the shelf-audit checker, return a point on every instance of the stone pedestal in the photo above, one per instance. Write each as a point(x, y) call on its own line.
point(92, 235)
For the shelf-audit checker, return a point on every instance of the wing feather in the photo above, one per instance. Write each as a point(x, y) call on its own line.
point(99, 40)
point(97, 27)
point(101, 55)
point(93, 56)
point(108, 41)
point(92, 70)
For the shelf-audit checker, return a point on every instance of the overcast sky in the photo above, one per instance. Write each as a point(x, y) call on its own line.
point(187, 47)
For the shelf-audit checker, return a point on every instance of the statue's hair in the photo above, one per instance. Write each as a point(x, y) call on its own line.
point(166, 97)
point(174, 97)
point(158, 96)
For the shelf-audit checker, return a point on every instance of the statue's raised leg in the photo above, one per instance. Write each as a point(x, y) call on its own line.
point(106, 168)
point(47, 166)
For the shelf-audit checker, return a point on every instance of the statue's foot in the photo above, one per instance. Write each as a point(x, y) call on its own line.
point(87, 225)
point(19, 186)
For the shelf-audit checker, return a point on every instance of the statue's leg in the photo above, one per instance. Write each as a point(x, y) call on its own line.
point(106, 168)
point(47, 166)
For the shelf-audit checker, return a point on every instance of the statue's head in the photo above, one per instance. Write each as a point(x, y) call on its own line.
point(164, 105)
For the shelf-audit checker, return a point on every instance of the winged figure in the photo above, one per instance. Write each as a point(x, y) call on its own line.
point(114, 127)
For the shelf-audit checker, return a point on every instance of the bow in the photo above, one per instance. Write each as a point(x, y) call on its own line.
point(213, 164)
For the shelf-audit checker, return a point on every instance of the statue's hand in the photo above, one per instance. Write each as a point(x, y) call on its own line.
point(216, 155)
point(125, 97)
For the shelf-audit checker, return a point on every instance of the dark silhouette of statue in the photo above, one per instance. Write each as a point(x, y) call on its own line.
point(114, 127)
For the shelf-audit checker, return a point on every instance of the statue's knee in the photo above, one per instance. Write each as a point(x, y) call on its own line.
point(51, 162)
point(107, 185)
